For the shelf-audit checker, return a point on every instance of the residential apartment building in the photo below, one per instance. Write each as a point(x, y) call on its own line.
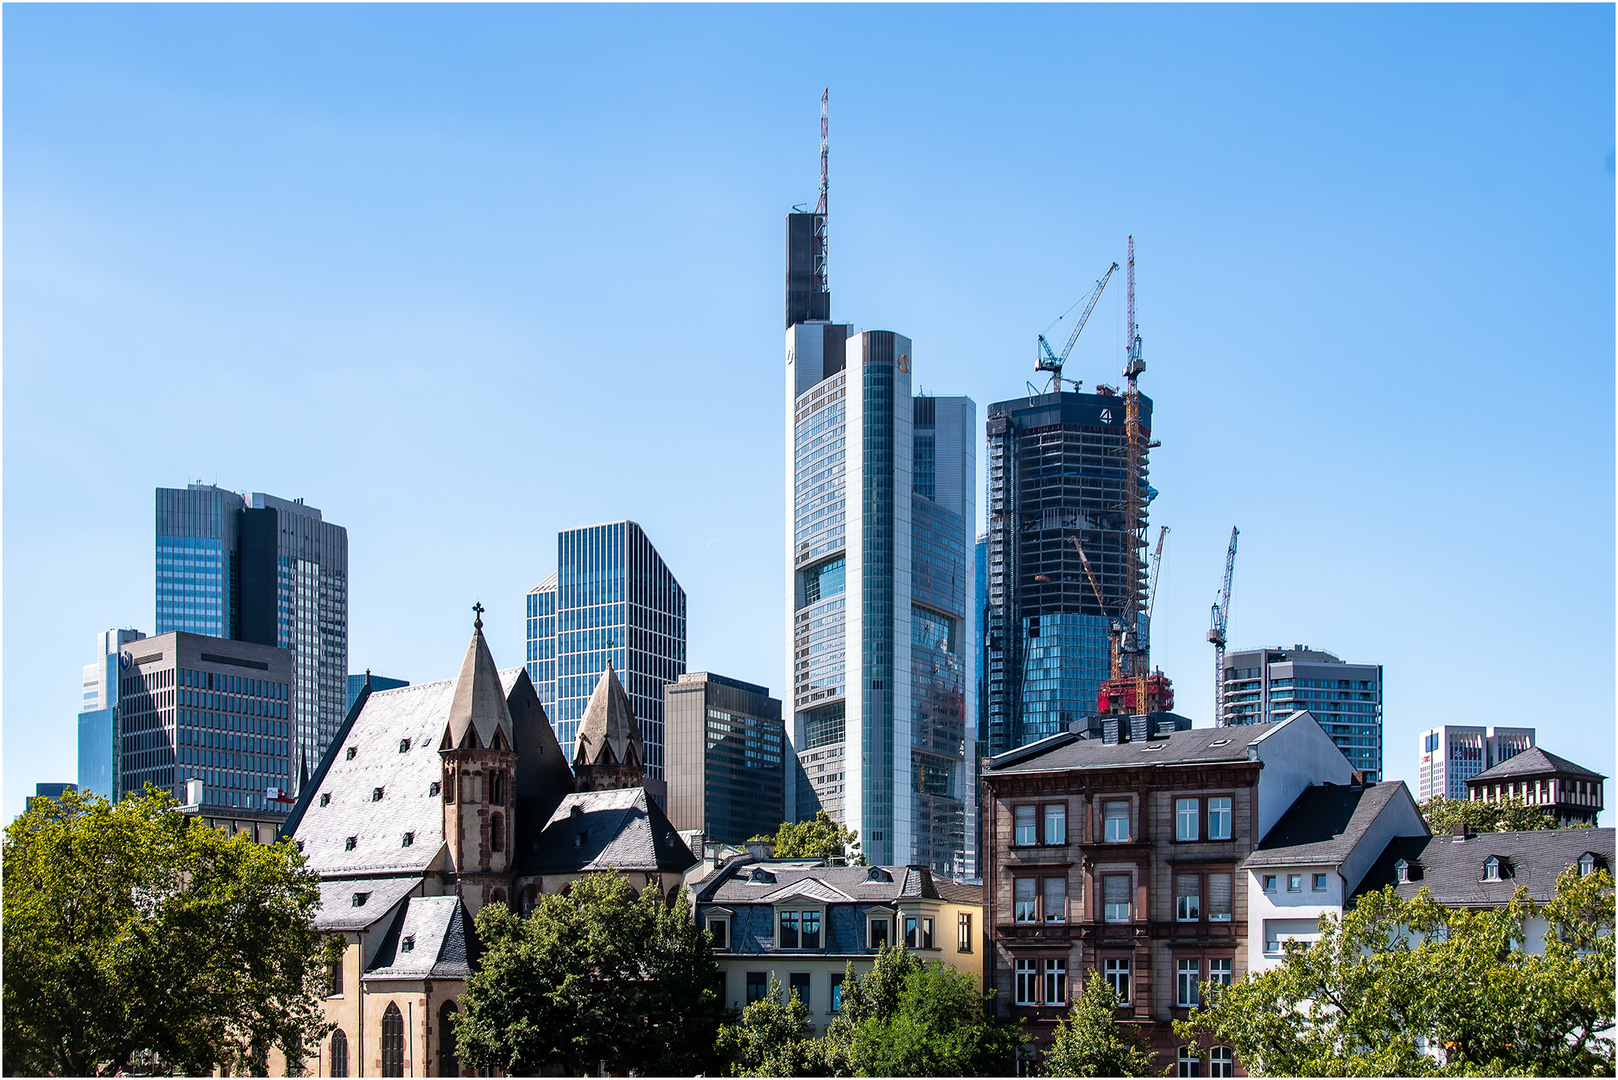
point(99, 757)
point(1451, 754)
point(1271, 684)
point(192, 706)
point(611, 600)
point(1568, 791)
point(1120, 856)
point(726, 757)
point(270, 571)
point(802, 922)
point(1057, 471)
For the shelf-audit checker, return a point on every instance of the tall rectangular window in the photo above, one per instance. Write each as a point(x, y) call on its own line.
point(1115, 897)
point(1222, 1061)
point(1055, 900)
point(789, 931)
point(1115, 819)
point(1026, 819)
point(836, 1003)
point(1187, 974)
point(1219, 898)
point(1219, 818)
point(1055, 982)
point(1056, 823)
point(1026, 977)
point(1186, 812)
point(963, 932)
point(811, 929)
point(1116, 973)
point(798, 986)
point(910, 931)
point(1023, 899)
point(758, 984)
point(1187, 897)
point(1219, 972)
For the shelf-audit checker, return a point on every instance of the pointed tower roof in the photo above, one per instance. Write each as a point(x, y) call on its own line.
point(608, 734)
point(479, 704)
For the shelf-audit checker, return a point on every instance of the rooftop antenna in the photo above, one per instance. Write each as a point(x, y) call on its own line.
point(819, 282)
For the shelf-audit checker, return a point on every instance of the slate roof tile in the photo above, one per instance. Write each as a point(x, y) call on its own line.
point(1531, 761)
point(1452, 871)
point(1324, 824)
point(430, 938)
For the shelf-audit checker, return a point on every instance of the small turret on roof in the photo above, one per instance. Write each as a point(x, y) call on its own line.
point(610, 752)
point(478, 710)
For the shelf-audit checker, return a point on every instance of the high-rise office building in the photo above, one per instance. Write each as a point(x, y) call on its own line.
point(1057, 470)
point(1451, 754)
point(356, 683)
point(195, 706)
point(1263, 685)
point(726, 757)
point(98, 716)
point(266, 570)
point(611, 598)
point(880, 501)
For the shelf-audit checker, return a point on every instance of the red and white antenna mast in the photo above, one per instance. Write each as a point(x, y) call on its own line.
point(819, 283)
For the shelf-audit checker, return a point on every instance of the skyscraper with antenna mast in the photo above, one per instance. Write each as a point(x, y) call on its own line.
point(880, 500)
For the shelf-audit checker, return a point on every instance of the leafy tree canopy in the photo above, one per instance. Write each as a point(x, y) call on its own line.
point(594, 974)
point(1508, 815)
point(773, 1038)
point(821, 838)
point(141, 939)
point(1090, 1040)
point(1410, 988)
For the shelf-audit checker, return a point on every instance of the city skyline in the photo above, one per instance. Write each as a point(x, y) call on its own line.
point(1362, 235)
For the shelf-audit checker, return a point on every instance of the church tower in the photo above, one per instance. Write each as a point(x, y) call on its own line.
point(611, 753)
point(479, 759)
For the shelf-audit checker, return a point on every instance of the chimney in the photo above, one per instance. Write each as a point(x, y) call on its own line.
point(761, 849)
point(1460, 831)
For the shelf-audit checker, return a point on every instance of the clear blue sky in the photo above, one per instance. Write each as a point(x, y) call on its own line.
point(461, 276)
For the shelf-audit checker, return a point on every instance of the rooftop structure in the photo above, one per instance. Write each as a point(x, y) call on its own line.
point(1267, 684)
point(1571, 793)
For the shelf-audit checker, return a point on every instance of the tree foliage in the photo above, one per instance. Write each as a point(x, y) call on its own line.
point(1409, 988)
point(820, 838)
point(141, 939)
point(1090, 1040)
point(594, 974)
point(772, 1038)
point(1507, 815)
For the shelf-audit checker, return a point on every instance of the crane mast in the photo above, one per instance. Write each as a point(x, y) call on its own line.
point(1219, 620)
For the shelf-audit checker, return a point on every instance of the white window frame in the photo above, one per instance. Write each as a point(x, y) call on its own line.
point(1107, 820)
point(1128, 905)
point(1054, 814)
point(1055, 982)
point(1214, 916)
point(1187, 819)
point(1184, 912)
point(1186, 1061)
point(1019, 838)
point(1025, 981)
point(1222, 1061)
point(1187, 980)
point(1033, 900)
point(1046, 915)
point(1221, 817)
point(723, 919)
point(1221, 970)
point(1115, 970)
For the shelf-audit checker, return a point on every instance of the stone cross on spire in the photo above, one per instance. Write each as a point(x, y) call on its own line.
point(477, 610)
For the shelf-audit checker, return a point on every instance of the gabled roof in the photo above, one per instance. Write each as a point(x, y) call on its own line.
point(338, 910)
point(605, 830)
point(608, 734)
point(1452, 871)
point(430, 938)
point(1533, 761)
point(1062, 752)
point(479, 703)
point(806, 889)
point(734, 884)
point(1324, 825)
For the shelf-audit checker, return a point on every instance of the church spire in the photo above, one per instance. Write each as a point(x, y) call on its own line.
point(610, 752)
point(479, 705)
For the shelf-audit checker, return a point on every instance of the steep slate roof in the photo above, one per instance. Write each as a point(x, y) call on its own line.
point(1533, 761)
point(442, 944)
point(839, 884)
point(612, 830)
point(337, 910)
point(1451, 871)
point(479, 704)
point(609, 724)
point(1063, 752)
point(1323, 825)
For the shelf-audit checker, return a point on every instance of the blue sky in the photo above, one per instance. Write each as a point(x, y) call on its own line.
point(462, 276)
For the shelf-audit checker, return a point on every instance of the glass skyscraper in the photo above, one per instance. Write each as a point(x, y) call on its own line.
point(611, 599)
point(265, 570)
point(1271, 684)
point(99, 763)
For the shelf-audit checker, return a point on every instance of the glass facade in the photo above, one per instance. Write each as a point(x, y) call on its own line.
point(99, 763)
point(612, 599)
point(1271, 684)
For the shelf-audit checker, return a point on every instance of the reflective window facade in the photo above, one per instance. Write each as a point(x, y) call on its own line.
point(612, 598)
point(99, 758)
point(726, 757)
point(1271, 684)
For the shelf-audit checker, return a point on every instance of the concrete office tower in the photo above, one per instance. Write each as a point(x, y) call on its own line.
point(878, 619)
point(1263, 685)
point(1056, 470)
point(611, 598)
point(98, 716)
point(1451, 754)
point(261, 569)
point(194, 706)
point(726, 757)
point(540, 624)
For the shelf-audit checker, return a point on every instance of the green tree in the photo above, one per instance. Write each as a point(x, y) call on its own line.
point(1090, 1041)
point(1409, 988)
point(821, 838)
point(138, 938)
point(1508, 815)
point(772, 1038)
point(595, 974)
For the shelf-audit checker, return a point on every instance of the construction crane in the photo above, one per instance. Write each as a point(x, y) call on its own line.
point(1132, 683)
point(1216, 629)
point(1157, 564)
point(1046, 360)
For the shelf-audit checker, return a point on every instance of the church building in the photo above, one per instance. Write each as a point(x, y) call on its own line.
point(436, 799)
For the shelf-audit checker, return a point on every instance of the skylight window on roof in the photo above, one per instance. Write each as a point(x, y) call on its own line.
point(1152, 748)
point(404, 746)
point(408, 839)
point(325, 798)
point(408, 944)
point(434, 788)
point(1219, 742)
point(348, 844)
point(376, 794)
point(360, 898)
point(352, 750)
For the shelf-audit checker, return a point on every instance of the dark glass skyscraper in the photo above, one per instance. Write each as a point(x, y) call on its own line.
point(1057, 471)
point(611, 598)
point(265, 570)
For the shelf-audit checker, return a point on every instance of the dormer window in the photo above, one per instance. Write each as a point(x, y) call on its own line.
point(876, 873)
point(352, 751)
point(376, 794)
point(360, 898)
point(325, 798)
point(578, 839)
point(434, 788)
point(761, 875)
point(404, 746)
point(348, 844)
point(1587, 864)
point(408, 944)
point(1493, 868)
point(1401, 871)
point(408, 839)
